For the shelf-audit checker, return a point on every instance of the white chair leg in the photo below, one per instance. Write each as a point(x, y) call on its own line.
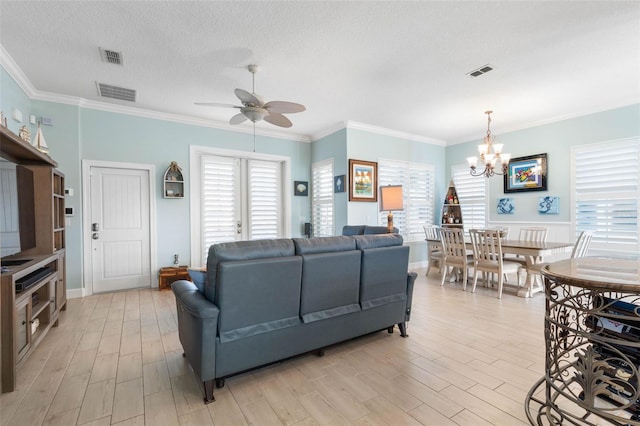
point(500, 282)
point(444, 275)
point(475, 281)
point(464, 278)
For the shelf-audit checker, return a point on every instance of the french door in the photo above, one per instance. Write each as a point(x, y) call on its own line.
point(240, 199)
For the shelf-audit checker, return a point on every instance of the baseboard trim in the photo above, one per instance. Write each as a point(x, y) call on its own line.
point(74, 293)
point(418, 265)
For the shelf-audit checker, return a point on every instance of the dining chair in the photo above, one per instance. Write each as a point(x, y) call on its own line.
point(529, 233)
point(434, 247)
point(487, 257)
point(455, 254)
point(580, 249)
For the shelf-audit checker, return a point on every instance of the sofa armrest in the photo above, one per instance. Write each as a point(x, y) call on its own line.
point(411, 277)
point(197, 328)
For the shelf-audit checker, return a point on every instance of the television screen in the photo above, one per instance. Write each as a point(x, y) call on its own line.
point(17, 213)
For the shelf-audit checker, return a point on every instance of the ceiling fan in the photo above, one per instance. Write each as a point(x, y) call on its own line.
point(255, 109)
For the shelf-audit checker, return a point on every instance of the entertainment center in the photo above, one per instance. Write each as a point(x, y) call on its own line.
point(33, 288)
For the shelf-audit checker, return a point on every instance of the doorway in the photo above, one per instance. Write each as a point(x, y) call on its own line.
point(118, 228)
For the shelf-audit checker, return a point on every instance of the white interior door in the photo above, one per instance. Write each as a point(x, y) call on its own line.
point(120, 229)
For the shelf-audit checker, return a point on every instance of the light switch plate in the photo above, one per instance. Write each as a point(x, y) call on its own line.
point(16, 114)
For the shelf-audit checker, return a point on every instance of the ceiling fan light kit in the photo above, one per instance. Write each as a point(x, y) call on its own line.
point(255, 109)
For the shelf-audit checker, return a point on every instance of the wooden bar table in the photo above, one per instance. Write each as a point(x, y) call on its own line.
point(592, 337)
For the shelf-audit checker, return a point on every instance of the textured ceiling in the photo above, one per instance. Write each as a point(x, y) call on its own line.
point(396, 65)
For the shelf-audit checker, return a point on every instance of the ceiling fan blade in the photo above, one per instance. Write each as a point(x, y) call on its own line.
point(248, 98)
point(282, 107)
point(216, 104)
point(237, 119)
point(278, 120)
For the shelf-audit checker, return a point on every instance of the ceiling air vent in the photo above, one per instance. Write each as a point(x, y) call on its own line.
point(115, 92)
point(111, 56)
point(479, 71)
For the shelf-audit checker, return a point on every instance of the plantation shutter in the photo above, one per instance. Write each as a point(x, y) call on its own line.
point(264, 199)
point(322, 198)
point(471, 196)
point(417, 191)
point(607, 194)
point(220, 200)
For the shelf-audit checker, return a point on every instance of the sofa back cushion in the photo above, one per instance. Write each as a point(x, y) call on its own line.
point(257, 296)
point(241, 250)
point(330, 277)
point(384, 266)
point(257, 286)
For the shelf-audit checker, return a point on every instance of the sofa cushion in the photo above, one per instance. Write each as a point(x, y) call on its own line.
point(258, 295)
point(241, 250)
point(323, 244)
point(330, 277)
point(383, 270)
point(353, 230)
point(364, 242)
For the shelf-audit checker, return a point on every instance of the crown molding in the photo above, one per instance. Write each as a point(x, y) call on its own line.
point(496, 131)
point(329, 131)
point(25, 84)
point(16, 73)
point(377, 130)
point(394, 133)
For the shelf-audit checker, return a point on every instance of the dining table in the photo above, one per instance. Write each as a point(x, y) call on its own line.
point(533, 252)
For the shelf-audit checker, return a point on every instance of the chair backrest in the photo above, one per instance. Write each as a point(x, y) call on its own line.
point(432, 232)
point(534, 233)
point(487, 248)
point(453, 243)
point(504, 231)
point(581, 247)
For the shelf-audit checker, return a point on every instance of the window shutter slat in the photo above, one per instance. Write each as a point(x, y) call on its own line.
point(418, 196)
point(607, 194)
point(322, 214)
point(471, 192)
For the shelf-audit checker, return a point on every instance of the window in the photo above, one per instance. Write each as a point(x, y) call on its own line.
point(418, 196)
point(606, 191)
point(235, 198)
point(471, 195)
point(322, 198)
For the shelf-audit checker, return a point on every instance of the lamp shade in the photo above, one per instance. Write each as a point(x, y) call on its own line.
point(391, 198)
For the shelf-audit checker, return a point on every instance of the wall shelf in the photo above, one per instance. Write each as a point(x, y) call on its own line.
point(173, 182)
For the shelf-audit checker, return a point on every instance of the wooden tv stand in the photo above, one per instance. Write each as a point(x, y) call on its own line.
point(26, 316)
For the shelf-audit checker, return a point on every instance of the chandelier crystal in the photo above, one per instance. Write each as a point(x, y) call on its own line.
point(495, 162)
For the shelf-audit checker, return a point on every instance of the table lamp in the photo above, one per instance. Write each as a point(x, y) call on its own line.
point(390, 200)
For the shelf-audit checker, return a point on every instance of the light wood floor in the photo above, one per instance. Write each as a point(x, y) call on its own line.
point(470, 359)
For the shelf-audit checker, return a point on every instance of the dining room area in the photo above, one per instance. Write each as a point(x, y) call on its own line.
point(591, 313)
point(494, 258)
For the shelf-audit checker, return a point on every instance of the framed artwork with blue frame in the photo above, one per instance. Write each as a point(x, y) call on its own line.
point(526, 174)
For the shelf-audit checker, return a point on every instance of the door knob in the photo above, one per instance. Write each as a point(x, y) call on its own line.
point(95, 236)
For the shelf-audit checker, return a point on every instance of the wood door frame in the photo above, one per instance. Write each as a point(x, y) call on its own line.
point(87, 285)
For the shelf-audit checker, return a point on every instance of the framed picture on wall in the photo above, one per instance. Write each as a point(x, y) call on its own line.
point(363, 181)
point(526, 174)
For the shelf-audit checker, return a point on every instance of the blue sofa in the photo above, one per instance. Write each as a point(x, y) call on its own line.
point(267, 300)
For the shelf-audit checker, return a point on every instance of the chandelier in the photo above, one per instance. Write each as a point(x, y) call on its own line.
point(496, 162)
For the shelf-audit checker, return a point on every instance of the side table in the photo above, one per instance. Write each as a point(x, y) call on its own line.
point(170, 274)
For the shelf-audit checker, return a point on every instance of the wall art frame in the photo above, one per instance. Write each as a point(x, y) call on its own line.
point(339, 184)
point(300, 188)
point(363, 181)
point(527, 173)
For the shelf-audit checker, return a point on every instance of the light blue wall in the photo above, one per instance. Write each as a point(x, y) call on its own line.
point(335, 146)
point(12, 96)
point(85, 134)
point(555, 139)
point(367, 146)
